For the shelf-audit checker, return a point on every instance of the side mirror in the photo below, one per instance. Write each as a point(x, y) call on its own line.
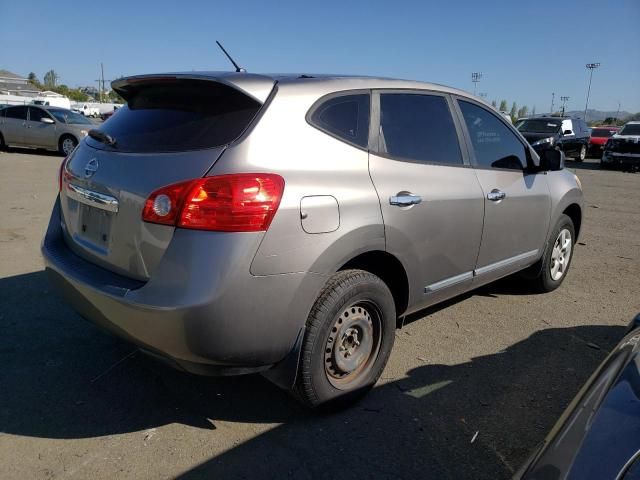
point(552, 160)
point(47, 120)
point(567, 132)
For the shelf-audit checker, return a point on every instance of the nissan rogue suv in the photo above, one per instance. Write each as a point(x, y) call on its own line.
point(235, 222)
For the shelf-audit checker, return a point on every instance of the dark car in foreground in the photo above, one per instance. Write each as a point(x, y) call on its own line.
point(598, 436)
point(571, 135)
point(599, 137)
point(623, 149)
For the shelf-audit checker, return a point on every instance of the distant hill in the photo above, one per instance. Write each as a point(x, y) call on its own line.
point(598, 115)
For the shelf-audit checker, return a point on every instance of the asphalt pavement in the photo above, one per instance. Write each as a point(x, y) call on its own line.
point(472, 385)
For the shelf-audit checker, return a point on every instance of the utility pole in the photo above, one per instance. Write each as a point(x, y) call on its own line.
point(617, 113)
point(563, 100)
point(591, 67)
point(101, 82)
point(475, 78)
point(553, 97)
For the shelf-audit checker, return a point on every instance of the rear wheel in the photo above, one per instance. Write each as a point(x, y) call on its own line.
point(349, 336)
point(67, 144)
point(3, 146)
point(582, 154)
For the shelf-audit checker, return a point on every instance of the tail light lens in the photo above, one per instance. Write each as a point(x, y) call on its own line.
point(243, 202)
point(61, 173)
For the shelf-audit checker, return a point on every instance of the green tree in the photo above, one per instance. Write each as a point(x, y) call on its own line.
point(503, 106)
point(51, 78)
point(494, 104)
point(514, 111)
point(523, 112)
point(115, 97)
point(33, 78)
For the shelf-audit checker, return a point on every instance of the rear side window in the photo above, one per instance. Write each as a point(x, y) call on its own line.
point(494, 144)
point(345, 117)
point(178, 115)
point(19, 113)
point(419, 128)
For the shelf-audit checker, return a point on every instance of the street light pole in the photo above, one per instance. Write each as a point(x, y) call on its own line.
point(553, 97)
point(563, 100)
point(475, 78)
point(591, 67)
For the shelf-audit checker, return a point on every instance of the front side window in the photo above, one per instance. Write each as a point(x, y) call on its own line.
point(345, 117)
point(494, 144)
point(36, 114)
point(418, 128)
point(19, 113)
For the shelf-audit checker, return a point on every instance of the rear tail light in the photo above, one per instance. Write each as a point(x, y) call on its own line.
point(244, 202)
point(61, 173)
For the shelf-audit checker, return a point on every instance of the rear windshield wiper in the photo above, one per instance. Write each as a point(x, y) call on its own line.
point(102, 137)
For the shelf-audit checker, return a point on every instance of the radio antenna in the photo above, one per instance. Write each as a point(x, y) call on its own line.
point(238, 68)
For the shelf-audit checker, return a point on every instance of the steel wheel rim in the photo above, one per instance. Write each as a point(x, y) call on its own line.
point(583, 152)
point(561, 254)
point(352, 345)
point(68, 145)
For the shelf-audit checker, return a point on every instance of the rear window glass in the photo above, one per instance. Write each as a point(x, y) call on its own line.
point(345, 117)
point(19, 113)
point(179, 115)
point(602, 132)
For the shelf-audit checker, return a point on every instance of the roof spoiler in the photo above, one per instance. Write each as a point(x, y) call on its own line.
point(256, 86)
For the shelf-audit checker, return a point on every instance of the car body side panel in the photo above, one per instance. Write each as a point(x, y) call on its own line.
point(280, 143)
point(564, 191)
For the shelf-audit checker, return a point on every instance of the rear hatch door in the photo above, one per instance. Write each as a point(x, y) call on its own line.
point(172, 129)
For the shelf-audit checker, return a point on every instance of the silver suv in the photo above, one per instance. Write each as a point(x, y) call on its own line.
point(236, 223)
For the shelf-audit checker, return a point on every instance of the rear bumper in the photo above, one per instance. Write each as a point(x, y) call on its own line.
point(202, 309)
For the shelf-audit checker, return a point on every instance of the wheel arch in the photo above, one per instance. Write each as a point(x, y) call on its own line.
point(574, 212)
point(389, 269)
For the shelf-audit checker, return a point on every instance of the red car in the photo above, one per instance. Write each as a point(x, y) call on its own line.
point(599, 136)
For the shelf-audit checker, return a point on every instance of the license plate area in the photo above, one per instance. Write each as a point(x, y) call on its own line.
point(95, 226)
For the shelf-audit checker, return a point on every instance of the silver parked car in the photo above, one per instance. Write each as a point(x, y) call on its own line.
point(36, 126)
point(235, 223)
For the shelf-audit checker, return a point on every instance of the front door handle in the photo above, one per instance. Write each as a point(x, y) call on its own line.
point(496, 195)
point(404, 199)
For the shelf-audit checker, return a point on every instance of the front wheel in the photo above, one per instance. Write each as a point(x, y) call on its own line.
point(67, 144)
point(348, 340)
point(554, 265)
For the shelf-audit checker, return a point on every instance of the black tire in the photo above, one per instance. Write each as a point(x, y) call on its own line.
point(582, 154)
point(3, 145)
point(320, 381)
point(63, 147)
point(543, 280)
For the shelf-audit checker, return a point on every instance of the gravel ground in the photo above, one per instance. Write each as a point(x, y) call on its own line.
point(499, 362)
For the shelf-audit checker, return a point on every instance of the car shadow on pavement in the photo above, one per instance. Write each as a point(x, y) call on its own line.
point(63, 379)
point(590, 164)
point(32, 151)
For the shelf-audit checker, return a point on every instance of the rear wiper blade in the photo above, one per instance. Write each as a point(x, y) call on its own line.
point(102, 137)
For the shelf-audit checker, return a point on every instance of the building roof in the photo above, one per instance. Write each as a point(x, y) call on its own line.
point(7, 76)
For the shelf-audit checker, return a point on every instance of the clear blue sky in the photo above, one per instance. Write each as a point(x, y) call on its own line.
point(526, 50)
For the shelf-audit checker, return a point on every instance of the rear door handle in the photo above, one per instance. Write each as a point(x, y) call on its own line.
point(403, 199)
point(496, 195)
